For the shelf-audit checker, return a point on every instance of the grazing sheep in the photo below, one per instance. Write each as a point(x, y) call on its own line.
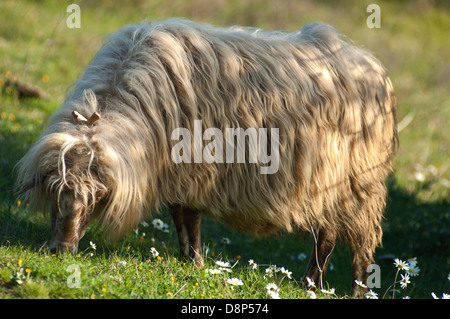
point(112, 151)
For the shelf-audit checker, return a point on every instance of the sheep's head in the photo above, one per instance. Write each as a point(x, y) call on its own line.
point(74, 191)
point(65, 175)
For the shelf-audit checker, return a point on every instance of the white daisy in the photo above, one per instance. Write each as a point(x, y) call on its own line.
point(273, 294)
point(360, 283)
point(412, 262)
point(330, 292)
point(158, 223)
point(371, 295)
point(226, 241)
point(235, 282)
point(400, 264)
point(413, 271)
point(404, 281)
point(222, 264)
point(272, 287)
point(154, 252)
point(165, 228)
point(215, 271)
point(252, 264)
point(286, 272)
point(311, 294)
point(310, 282)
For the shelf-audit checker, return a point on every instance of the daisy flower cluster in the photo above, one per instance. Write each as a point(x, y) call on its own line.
point(312, 285)
point(157, 223)
point(410, 266)
point(273, 290)
point(223, 268)
point(409, 269)
point(273, 269)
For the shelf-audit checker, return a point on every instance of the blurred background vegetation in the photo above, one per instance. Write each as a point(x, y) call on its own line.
point(413, 43)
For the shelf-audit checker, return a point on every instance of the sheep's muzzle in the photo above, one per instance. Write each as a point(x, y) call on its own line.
point(68, 222)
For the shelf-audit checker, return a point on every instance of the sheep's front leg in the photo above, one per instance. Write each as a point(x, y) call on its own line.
point(192, 222)
point(187, 223)
point(177, 216)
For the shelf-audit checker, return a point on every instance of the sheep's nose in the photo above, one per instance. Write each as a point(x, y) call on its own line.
point(62, 249)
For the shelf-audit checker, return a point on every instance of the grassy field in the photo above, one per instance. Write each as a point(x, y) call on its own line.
point(37, 47)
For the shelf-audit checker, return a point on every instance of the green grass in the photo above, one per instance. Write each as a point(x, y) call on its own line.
point(412, 42)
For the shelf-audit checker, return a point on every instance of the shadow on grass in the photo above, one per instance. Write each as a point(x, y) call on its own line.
point(416, 227)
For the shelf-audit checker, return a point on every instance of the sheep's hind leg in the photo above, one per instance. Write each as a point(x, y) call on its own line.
point(322, 249)
point(361, 259)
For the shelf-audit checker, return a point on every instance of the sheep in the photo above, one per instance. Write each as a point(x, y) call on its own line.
point(324, 108)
